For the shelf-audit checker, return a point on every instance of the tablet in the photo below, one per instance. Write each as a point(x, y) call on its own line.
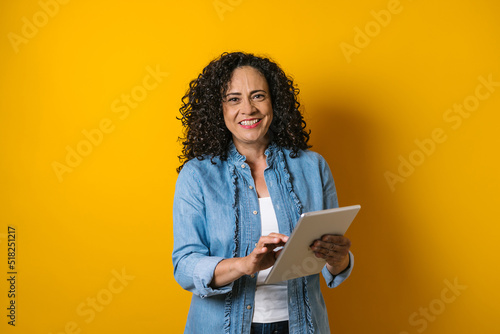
point(297, 259)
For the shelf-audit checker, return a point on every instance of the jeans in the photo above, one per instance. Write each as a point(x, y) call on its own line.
point(271, 328)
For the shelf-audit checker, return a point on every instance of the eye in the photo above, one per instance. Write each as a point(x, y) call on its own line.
point(259, 97)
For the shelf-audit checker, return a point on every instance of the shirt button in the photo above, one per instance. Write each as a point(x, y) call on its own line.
point(243, 166)
point(250, 187)
point(252, 276)
point(255, 212)
point(249, 307)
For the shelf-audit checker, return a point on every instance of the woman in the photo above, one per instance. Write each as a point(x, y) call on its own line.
point(246, 177)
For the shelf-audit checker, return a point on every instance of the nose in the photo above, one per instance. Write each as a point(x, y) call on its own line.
point(248, 107)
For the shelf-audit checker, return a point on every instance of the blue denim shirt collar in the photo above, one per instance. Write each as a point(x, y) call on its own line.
point(236, 158)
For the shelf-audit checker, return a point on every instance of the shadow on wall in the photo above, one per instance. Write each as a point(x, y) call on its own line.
point(380, 290)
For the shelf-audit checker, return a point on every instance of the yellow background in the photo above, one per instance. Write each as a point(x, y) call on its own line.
point(113, 211)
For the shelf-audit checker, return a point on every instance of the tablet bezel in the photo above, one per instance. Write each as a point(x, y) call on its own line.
point(297, 259)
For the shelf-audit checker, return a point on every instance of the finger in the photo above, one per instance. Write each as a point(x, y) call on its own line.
point(273, 240)
point(321, 247)
point(329, 249)
point(263, 249)
point(282, 237)
point(325, 245)
point(342, 245)
point(266, 240)
point(273, 247)
point(260, 250)
point(336, 239)
point(331, 258)
point(323, 251)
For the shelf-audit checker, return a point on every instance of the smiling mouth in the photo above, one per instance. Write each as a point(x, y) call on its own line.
point(250, 122)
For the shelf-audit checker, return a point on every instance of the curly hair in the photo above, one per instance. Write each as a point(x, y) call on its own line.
point(202, 115)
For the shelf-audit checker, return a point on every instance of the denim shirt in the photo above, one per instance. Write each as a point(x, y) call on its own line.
point(216, 216)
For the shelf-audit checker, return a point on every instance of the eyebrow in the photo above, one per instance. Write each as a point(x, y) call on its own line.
point(252, 92)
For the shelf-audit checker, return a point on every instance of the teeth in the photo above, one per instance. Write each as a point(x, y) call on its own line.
point(252, 122)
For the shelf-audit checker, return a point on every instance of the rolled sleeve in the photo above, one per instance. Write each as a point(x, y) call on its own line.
point(203, 275)
point(334, 281)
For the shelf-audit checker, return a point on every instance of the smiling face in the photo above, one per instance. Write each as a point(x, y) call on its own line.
point(247, 108)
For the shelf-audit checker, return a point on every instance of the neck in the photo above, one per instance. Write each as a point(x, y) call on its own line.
point(253, 153)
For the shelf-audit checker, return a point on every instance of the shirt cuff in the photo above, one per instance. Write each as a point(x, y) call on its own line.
point(203, 275)
point(334, 281)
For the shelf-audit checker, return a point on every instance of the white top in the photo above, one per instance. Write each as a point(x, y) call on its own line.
point(271, 303)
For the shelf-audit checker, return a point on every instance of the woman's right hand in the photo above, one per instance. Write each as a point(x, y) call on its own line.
point(262, 257)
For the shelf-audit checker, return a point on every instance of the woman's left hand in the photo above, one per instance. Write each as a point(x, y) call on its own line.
point(335, 250)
